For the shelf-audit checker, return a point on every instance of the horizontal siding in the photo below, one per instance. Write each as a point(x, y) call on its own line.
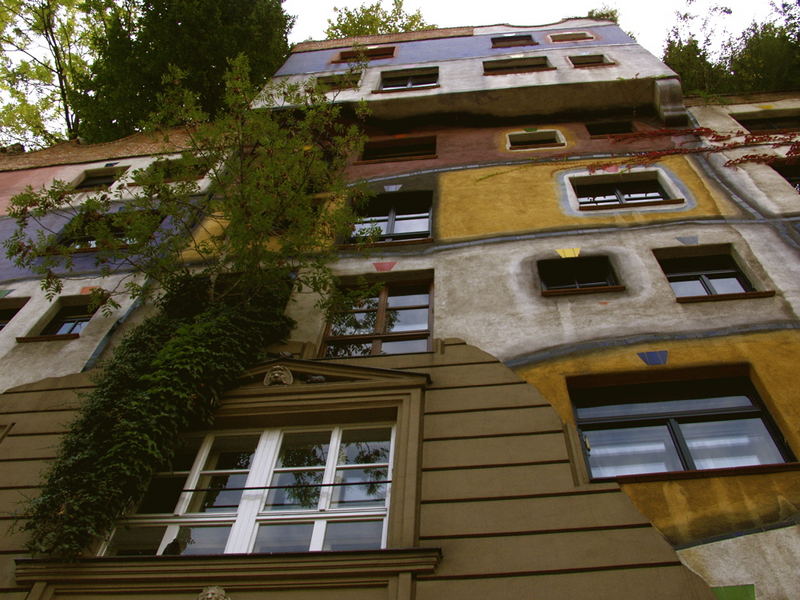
point(496, 451)
point(493, 422)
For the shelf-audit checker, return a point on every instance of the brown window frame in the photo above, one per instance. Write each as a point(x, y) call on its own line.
point(584, 62)
point(98, 180)
point(514, 40)
point(571, 36)
point(367, 54)
point(577, 275)
point(509, 66)
point(397, 149)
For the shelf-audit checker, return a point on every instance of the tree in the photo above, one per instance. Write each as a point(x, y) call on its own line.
point(224, 265)
point(604, 12)
point(199, 37)
point(373, 19)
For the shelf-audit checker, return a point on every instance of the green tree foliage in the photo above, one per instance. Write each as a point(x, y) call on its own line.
point(199, 37)
point(604, 12)
point(373, 19)
point(224, 264)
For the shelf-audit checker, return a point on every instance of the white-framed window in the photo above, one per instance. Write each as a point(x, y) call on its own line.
point(277, 490)
point(638, 189)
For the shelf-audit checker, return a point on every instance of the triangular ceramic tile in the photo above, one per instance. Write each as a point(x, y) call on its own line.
point(568, 252)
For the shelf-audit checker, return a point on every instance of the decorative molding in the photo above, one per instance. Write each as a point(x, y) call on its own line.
point(278, 375)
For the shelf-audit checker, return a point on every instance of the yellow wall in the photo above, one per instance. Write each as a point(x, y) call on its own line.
point(687, 510)
point(496, 200)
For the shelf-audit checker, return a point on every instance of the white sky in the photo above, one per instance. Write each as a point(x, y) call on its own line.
point(648, 20)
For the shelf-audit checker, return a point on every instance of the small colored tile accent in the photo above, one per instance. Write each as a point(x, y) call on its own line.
point(688, 240)
point(735, 592)
point(382, 267)
point(568, 252)
point(657, 357)
point(4, 293)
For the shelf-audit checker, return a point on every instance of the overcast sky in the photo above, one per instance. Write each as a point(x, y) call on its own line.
point(649, 21)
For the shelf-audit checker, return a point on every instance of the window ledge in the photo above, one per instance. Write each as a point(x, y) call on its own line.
point(397, 159)
point(517, 71)
point(413, 88)
point(633, 205)
point(388, 243)
point(590, 290)
point(721, 297)
point(599, 65)
point(136, 571)
point(47, 338)
point(702, 474)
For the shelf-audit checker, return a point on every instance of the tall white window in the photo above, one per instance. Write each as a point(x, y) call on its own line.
point(279, 490)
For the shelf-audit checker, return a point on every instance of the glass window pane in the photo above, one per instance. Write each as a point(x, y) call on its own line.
point(218, 496)
point(304, 449)
point(198, 539)
point(136, 541)
point(411, 225)
point(360, 487)
point(688, 288)
point(342, 350)
point(727, 285)
point(410, 298)
point(415, 319)
point(294, 490)
point(365, 446)
point(353, 535)
point(663, 407)
point(231, 452)
point(736, 443)
point(353, 323)
point(290, 537)
point(403, 346)
point(162, 495)
point(631, 450)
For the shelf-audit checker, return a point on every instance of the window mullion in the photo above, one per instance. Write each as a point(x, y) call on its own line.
point(326, 492)
point(390, 221)
point(683, 448)
point(194, 475)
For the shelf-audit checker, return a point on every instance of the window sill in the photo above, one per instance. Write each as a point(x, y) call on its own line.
point(517, 71)
point(48, 338)
point(633, 205)
point(721, 297)
point(591, 290)
point(388, 243)
point(395, 159)
point(529, 148)
point(599, 65)
point(146, 571)
point(701, 474)
point(413, 88)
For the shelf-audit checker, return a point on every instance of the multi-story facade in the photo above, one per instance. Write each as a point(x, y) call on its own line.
point(576, 380)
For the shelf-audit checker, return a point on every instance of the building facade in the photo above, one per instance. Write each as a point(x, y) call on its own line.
point(575, 381)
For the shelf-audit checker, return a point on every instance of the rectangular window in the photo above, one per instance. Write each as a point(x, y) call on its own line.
point(571, 36)
point(395, 321)
point(529, 64)
point(510, 41)
point(400, 149)
point(590, 60)
point(98, 179)
point(530, 140)
point(707, 275)
point(9, 307)
point(360, 54)
point(279, 490)
point(339, 81)
point(397, 216)
point(668, 426)
point(602, 192)
point(69, 320)
point(790, 172)
point(763, 123)
point(174, 169)
point(604, 128)
point(560, 276)
point(393, 81)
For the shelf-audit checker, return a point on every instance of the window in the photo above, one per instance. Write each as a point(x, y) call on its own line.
point(6, 314)
point(510, 41)
point(764, 123)
point(540, 138)
point(359, 54)
point(279, 490)
point(706, 276)
point(185, 168)
point(604, 128)
point(590, 60)
point(70, 319)
point(400, 149)
point(9, 307)
point(76, 236)
point(790, 172)
point(398, 216)
point(579, 275)
point(98, 179)
point(571, 36)
point(394, 321)
point(339, 81)
point(393, 81)
point(665, 426)
point(506, 66)
point(607, 192)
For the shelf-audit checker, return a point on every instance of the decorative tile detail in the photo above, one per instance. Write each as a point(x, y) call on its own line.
point(392, 188)
point(657, 357)
point(88, 289)
point(687, 240)
point(4, 293)
point(568, 252)
point(382, 267)
point(611, 168)
point(735, 592)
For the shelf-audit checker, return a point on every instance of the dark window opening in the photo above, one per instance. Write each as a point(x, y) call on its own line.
point(572, 36)
point(510, 41)
point(770, 124)
point(620, 193)
point(400, 149)
point(535, 139)
point(395, 321)
point(712, 275)
point(8, 309)
point(516, 65)
point(394, 81)
point(589, 60)
point(790, 172)
point(69, 320)
point(669, 426)
point(577, 275)
point(340, 81)
point(358, 54)
point(98, 180)
point(603, 128)
point(397, 216)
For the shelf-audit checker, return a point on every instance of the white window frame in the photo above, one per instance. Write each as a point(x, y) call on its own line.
point(245, 520)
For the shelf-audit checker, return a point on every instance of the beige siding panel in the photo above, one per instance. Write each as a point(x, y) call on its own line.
point(528, 514)
point(493, 451)
point(30, 402)
point(43, 422)
point(551, 551)
point(504, 396)
point(11, 538)
point(652, 583)
point(340, 593)
point(492, 422)
point(12, 500)
point(467, 375)
point(22, 473)
point(496, 482)
point(29, 446)
point(7, 571)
